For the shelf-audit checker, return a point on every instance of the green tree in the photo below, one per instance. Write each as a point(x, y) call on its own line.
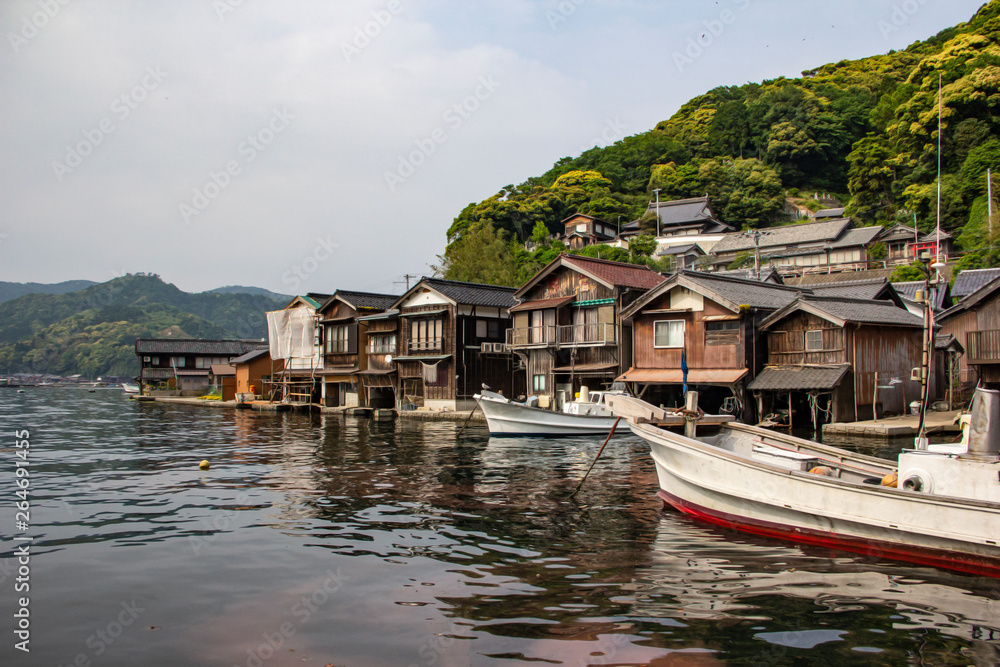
point(642, 245)
point(480, 255)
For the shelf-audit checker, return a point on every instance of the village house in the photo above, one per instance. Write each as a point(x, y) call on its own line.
point(710, 321)
point(838, 359)
point(580, 231)
point(183, 366)
point(379, 380)
point(566, 326)
point(975, 323)
point(800, 248)
point(898, 241)
point(344, 340)
point(295, 337)
point(253, 372)
point(682, 222)
point(451, 343)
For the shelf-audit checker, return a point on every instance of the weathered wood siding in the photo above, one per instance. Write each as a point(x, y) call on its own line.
point(786, 342)
point(959, 326)
point(699, 354)
point(567, 282)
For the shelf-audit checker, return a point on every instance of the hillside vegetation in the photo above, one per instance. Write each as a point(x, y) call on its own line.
point(93, 331)
point(865, 130)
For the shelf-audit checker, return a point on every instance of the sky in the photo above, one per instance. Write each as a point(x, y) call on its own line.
point(317, 145)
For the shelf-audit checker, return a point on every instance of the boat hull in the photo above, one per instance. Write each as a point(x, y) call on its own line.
point(717, 486)
point(515, 419)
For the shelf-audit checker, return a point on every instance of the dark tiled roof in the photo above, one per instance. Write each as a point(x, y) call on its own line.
point(802, 378)
point(788, 235)
point(157, 373)
point(855, 237)
point(944, 341)
point(369, 300)
point(970, 280)
point(909, 290)
point(473, 294)
point(762, 275)
point(932, 236)
point(384, 315)
point(971, 300)
point(684, 211)
point(814, 279)
point(616, 273)
point(829, 213)
point(250, 356)
point(680, 249)
point(217, 348)
point(900, 232)
point(863, 311)
point(744, 292)
point(858, 289)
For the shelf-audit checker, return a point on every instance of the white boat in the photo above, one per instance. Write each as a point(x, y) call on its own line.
point(130, 387)
point(943, 511)
point(507, 417)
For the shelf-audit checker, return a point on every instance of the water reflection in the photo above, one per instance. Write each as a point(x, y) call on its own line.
point(374, 543)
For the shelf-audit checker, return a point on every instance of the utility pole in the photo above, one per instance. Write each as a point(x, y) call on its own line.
point(407, 277)
point(989, 201)
point(657, 191)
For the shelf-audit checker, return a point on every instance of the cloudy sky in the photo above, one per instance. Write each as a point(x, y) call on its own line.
point(310, 146)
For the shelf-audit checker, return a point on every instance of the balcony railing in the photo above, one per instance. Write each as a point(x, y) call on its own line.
point(984, 346)
point(569, 335)
point(426, 345)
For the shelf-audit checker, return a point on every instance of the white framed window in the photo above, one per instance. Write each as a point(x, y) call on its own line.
point(382, 344)
point(538, 382)
point(814, 340)
point(336, 339)
point(668, 333)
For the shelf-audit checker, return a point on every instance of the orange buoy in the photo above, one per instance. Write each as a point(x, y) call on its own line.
point(889, 480)
point(822, 470)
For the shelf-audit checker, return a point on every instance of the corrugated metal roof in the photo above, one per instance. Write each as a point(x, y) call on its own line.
point(800, 378)
point(787, 235)
point(216, 348)
point(676, 376)
point(970, 280)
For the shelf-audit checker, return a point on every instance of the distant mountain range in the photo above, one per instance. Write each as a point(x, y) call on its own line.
point(10, 291)
point(92, 331)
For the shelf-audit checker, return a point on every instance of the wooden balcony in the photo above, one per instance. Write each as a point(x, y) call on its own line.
point(424, 345)
point(983, 347)
point(569, 335)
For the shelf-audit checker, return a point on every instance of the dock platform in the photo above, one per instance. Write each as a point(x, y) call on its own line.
point(897, 427)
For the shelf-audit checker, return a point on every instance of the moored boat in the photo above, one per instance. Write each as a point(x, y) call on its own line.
point(507, 417)
point(130, 387)
point(931, 506)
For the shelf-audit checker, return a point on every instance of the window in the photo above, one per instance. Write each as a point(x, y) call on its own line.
point(154, 361)
point(206, 362)
point(722, 333)
point(814, 340)
point(178, 362)
point(492, 329)
point(336, 339)
point(426, 334)
point(382, 344)
point(538, 382)
point(480, 328)
point(668, 333)
point(582, 227)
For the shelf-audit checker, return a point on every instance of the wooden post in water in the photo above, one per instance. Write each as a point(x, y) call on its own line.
point(690, 414)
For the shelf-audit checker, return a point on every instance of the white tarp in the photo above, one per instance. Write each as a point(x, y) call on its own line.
point(290, 333)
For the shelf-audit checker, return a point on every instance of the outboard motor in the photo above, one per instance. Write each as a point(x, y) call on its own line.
point(984, 431)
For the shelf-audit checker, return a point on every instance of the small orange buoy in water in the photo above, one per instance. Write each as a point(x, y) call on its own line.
point(203, 465)
point(821, 470)
point(889, 480)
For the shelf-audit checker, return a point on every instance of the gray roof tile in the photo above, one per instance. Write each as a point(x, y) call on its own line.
point(473, 294)
point(745, 292)
point(802, 378)
point(219, 348)
point(970, 280)
point(787, 235)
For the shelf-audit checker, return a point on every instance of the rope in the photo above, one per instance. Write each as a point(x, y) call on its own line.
point(468, 419)
point(582, 480)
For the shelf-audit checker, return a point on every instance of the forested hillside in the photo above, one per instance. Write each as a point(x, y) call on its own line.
point(93, 331)
point(864, 130)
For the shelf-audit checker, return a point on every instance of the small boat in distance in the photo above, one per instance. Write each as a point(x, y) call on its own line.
point(589, 414)
point(937, 506)
point(130, 387)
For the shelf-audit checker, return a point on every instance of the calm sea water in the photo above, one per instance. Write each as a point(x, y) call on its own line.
point(340, 541)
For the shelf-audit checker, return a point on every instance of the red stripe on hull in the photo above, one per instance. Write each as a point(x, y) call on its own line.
point(951, 560)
